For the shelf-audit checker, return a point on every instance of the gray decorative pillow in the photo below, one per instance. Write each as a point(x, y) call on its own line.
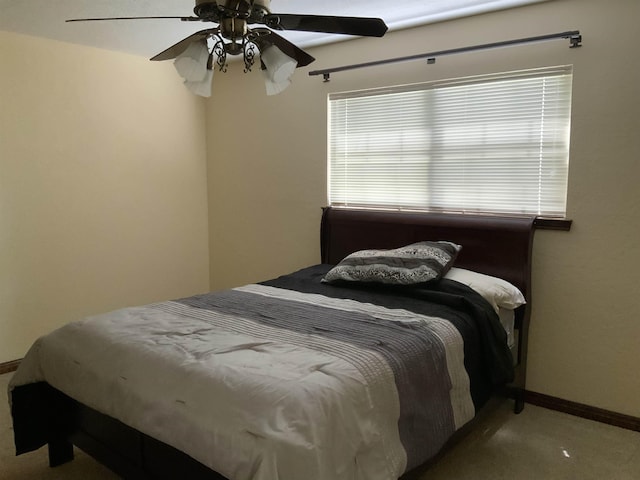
point(416, 263)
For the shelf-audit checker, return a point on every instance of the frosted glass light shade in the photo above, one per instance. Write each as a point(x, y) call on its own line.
point(274, 88)
point(192, 63)
point(280, 66)
point(203, 87)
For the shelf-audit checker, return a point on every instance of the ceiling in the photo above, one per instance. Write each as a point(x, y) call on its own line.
point(46, 18)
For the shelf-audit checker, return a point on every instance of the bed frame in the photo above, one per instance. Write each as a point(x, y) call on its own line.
point(497, 246)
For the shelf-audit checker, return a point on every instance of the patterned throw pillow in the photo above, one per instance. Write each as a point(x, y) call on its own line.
point(416, 263)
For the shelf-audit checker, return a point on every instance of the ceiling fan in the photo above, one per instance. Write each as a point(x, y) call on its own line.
point(234, 36)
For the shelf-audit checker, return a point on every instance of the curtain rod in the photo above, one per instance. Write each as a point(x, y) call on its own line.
point(574, 37)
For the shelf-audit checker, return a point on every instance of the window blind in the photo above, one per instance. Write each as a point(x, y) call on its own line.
point(493, 143)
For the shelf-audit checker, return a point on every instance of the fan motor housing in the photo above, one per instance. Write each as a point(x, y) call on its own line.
point(214, 10)
point(233, 29)
point(207, 10)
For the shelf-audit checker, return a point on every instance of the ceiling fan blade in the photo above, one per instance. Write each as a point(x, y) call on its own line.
point(175, 50)
point(267, 36)
point(184, 19)
point(368, 27)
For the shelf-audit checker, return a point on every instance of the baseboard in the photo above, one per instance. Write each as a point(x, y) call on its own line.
point(8, 367)
point(585, 411)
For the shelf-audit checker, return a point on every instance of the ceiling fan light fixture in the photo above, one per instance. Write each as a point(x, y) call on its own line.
point(235, 35)
point(203, 87)
point(279, 66)
point(191, 64)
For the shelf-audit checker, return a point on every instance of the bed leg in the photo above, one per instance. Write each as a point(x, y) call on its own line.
point(60, 451)
point(519, 398)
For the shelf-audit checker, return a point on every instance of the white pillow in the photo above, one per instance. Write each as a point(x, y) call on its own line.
point(499, 293)
point(507, 319)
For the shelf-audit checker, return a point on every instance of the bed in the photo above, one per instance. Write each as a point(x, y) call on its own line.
point(220, 385)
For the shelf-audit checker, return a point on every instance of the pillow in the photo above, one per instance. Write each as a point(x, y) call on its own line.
point(499, 293)
point(416, 263)
point(507, 319)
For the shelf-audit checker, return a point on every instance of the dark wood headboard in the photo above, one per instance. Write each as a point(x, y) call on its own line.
point(497, 246)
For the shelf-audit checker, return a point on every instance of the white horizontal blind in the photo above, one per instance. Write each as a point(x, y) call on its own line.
point(494, 143)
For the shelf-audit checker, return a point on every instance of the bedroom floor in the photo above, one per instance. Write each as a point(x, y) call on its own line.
point(538, 444)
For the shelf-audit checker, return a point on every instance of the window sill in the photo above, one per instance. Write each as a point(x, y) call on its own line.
point(543, 223)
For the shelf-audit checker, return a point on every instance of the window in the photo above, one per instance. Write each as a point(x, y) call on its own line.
point(493, 144)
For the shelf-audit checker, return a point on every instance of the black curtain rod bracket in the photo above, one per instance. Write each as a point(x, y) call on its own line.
point(574, 37)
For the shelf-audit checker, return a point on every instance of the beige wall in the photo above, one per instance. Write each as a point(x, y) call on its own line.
point(267, 179)
point(103, 197)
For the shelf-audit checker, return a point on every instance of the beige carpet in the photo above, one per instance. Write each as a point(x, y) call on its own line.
point(538, 444)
